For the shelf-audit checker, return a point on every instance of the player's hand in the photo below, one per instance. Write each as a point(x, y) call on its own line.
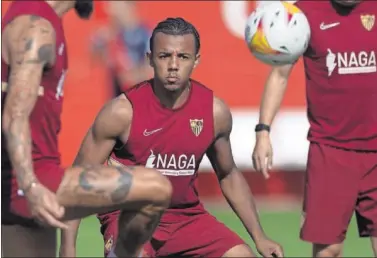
point(44, 206)
point(268, 248)
point(262, 154)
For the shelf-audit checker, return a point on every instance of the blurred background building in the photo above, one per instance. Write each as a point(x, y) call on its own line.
point(106, 55)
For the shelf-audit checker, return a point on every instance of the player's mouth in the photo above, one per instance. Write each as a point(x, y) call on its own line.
point(172, 79)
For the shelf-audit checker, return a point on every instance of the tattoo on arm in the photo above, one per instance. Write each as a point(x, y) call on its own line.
point(45, 53)
point(27, 60)
point(124, 185)
point(89, 180)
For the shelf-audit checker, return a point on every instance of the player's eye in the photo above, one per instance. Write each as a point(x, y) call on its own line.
point(184, 57)
point(163, 56)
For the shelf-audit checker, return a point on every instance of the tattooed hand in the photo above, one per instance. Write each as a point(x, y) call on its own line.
point(30, 47)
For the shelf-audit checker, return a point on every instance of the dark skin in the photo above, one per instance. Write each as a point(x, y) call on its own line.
point(176, 55)
point(112, 123)
point(28, 47)
point(234, 186)
point(173, 59)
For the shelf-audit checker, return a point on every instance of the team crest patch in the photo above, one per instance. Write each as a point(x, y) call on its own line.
point(196, 126)
point(368, 21)
point(109, 244)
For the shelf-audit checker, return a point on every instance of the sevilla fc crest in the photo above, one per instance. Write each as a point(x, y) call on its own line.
point(196, 126)
point(368, 21)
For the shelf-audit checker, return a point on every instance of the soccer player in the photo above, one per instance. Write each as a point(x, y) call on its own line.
point(37, 194)
point(169, 123)
point(341, 90)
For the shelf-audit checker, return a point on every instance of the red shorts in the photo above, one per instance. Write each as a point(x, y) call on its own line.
point(14, 206)
point(199, 235)
point(339, 182)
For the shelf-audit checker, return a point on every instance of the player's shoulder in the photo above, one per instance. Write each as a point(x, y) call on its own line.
point(222, 116)
point(118, 109)
point(31, 33)
point(219, 106)
point(28, 23)
point(29, 27)
point(114, 118)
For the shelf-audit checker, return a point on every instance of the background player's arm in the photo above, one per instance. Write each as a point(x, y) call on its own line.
point(232, 182)
point(272, 97)
point(273, 93)
point(28, 50)
point(111, 123)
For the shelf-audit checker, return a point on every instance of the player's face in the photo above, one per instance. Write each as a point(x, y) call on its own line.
point(347, 2)
point(84, 8)
point(173, 59)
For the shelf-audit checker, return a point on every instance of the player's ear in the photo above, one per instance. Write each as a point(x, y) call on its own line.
point(197, 60)
point(150, 59)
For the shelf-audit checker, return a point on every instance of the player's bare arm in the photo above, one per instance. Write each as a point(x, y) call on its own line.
point(111, 123)
point(28, 50)
point(271, 99)
point(232, 182)
point(274, 92)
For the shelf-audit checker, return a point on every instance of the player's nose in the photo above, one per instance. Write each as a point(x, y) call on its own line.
point(173, 63)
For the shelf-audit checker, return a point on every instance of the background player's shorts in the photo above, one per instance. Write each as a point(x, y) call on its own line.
point(199, 235)
point(339, 182)
point(14, 206)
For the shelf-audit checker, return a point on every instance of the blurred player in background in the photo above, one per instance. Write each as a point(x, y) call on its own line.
point(37, 194)
point(341, 89)
point(169, 123)
point(121, 46)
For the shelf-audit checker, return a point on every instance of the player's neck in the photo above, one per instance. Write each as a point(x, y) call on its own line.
point(172, 99)
point(61, 7)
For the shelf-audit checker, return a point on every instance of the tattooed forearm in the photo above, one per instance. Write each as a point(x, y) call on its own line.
point(20, 100)
point(19, 149)
point(124, 185)
point(90, 179)
point(29, 53)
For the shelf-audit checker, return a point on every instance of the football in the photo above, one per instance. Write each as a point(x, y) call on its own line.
point(277, 33)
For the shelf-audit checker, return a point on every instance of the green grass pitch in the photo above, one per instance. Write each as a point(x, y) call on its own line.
point(280, 226)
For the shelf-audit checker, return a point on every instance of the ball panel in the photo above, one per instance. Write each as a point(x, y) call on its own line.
point(260, 44)
point(291, 8)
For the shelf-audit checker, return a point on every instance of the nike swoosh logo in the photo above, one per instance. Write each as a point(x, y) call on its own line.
point(146, 133)
point(324, 26)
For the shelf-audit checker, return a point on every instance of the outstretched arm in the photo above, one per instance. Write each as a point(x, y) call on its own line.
point(232, 182)
point(111, 123)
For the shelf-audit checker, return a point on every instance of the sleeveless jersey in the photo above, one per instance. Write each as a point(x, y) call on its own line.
point(45, 117)
point(171, 141)
point(341, 75)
